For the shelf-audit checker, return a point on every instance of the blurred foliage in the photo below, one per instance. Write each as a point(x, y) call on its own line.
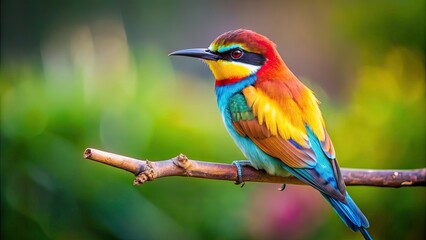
point(99, 76)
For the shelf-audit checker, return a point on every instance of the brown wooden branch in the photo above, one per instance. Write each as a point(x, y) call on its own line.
point(182, 166)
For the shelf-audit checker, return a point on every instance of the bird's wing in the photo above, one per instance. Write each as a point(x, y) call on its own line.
point(247, 124)
point(284, 121)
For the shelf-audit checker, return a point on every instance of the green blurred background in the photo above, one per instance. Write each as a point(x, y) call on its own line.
point(79, 74)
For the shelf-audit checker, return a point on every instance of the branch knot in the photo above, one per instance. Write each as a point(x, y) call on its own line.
point(148, 174)
point(183, 162)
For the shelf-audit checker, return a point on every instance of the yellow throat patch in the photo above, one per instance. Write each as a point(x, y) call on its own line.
point(223, 70)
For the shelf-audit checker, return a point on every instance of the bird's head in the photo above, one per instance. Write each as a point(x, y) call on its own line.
point(237, 54)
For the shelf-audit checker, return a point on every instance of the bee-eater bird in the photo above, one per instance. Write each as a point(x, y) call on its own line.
point(275, 119)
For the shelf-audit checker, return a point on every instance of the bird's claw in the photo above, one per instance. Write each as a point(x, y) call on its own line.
point(282, 187)
point(239, 174)
point(239, 165)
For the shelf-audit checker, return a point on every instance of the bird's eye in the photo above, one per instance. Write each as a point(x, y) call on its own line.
point(237, 54)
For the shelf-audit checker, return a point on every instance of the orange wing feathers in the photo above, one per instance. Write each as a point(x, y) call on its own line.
point(274, 145)
point(286, 108)
point(283, 110)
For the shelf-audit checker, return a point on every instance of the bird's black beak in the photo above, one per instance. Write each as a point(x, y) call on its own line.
point(202, 53)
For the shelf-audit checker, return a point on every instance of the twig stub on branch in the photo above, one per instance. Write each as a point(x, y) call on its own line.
point(182, 166)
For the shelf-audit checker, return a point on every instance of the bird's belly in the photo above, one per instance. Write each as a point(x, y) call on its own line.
point(258, 158)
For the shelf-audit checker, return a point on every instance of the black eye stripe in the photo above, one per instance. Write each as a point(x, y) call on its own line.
point(247, 57)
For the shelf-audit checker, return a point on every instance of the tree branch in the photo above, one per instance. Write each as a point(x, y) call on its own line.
point(182, 166)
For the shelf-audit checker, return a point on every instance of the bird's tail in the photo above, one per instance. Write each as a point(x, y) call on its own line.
point(350, 214)
point(365, 233)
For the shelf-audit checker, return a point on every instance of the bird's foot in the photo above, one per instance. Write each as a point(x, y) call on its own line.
point(239, 165)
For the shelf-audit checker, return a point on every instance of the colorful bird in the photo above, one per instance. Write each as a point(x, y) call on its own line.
point(275, 119)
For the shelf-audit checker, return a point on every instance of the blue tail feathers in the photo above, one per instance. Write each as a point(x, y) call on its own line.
point(364, 233)
point(350, 214)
